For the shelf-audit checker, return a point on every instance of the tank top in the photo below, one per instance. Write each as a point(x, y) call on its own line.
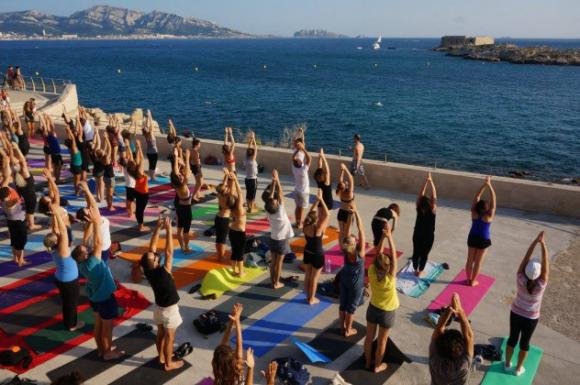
point(326, 194)
point(151, 145)
point(480, 228)
point(425, 222)
point(163, 286)
point(313, 245)
point(280, 225)
point(141, 185)
point(76, 158)
point(251, 169)
point(53, 144)
point(129, 180)
point(16, 212)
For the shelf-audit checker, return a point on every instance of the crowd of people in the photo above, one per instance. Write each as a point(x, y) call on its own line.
point(13, 79)
point(97, 155)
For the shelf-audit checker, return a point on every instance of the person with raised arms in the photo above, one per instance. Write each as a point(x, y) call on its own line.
point(127, 162)
point(345, 192)
point(25, 185)
point(228, 150)
point(183, 198)
point(73, 137)
point(531, 281)
point(195, 166)
point(166, 312)
point(151, 141)
point(237, 232)
point(251, 180)
point(104, 224)
point(50, 205)
point(322, 178)
point(424, 233)
point(135, 169)
point(381, 221)
point(222, 218)
point(479, 239)
point(300, 165)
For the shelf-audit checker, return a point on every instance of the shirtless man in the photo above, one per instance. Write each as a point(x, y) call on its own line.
point(356, 167)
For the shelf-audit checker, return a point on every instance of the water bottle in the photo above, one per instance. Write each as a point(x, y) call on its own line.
point(327, 266)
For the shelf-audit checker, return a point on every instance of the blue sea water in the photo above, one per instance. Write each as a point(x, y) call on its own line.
point(409, 104)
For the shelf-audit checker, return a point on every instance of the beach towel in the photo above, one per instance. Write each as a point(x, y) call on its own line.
point(409, 284)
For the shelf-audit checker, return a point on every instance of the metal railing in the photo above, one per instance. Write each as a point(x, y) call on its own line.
point(40, 84)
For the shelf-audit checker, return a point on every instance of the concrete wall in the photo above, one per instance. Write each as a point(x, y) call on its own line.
point(452, 41)
point(68, 100)
point(483, 40)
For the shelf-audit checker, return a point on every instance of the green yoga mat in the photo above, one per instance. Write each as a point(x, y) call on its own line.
point(55, 335)
point(204, 212)
point(497, 376)
point(219, 281)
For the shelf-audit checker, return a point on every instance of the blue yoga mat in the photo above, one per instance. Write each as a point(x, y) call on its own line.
point(179, 255)
point(34, 243)
point(25, 292)
point(275, 327)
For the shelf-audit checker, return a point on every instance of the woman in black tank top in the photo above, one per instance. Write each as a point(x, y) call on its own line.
point(315, 225)
point(345, 191)
point(424, 233)
point(179, 180)
point(322, 177)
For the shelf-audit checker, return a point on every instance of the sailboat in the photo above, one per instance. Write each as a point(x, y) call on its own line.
point(377, 44)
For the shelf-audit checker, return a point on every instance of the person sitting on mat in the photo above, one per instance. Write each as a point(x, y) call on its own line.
point(222, 218)
point(531, 280)
point(384, 302)
point(166, 312)
point(280, 229)
point(479, 239)
point(227, 363)
point(66, 276)
point(300, 164)
point(183, 198)
point(251, 166)
point(228, 150)
point(451, 351)
point(315, 225)
point(322, 178)
point(100, 288)
point(424, 233)
point(345, 192)
point(381, 220)
point(237, 232)
point(105, 225)
point(352, 275)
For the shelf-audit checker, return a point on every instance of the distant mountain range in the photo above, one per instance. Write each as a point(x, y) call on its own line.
point(107, 20)
point(318, 34)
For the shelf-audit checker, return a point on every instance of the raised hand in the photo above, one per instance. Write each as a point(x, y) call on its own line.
point(250, 358)
point(540, 238)
point(270, 374)
point(236, 313)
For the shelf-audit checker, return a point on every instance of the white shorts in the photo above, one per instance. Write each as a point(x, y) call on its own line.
point(301, 199)
point(168, 316)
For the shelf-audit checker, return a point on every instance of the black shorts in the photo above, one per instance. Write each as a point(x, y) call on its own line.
point(195, 169)
point(238, 242)
point(75, 170)
point(183, 217)
point(18, 234)
point(152, 161)
point(46, 150)
point(130, 193)
point(377, 226)
point(29, 117)
point(478, 242)
point(107, 309)
point(316, 260)
point(343, 215)
point(222, 227)
point(56, 159)
point(251, 188)
point(29, 197)
point(109, 171)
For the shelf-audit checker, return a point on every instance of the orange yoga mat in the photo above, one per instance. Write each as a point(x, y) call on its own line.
point(297, 245)
point(134, 254)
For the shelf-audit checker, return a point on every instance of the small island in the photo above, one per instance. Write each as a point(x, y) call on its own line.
point(484, 48)
point(318, 34)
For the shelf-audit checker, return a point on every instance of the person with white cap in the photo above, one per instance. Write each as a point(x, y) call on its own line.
point(532, 279)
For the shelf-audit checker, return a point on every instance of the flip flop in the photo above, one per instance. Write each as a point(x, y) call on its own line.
point(290, 278)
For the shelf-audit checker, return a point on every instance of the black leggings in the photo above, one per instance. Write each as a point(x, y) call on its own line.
point(421, 247)
point(141, 204)
point(69, 293)
point(152, 161)
point(251, 188)
point(523, 325)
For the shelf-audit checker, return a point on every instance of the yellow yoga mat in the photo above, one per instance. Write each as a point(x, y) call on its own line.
point(219, 281)
point(196, 270)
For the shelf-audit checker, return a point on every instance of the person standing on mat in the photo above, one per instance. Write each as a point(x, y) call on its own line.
point(227, 363)
point(322, 178)
point(356, 166)
point(141, 186)
point(531, 280)
point(300, 165)
point(315, 225)
point(100, 289)
point(451, 351)
point(76, 160)
point(352, 275)
point(381, 221)
point(24, 181)
point(151, 140)
point(424, 233)
point(166, 313)
point(126, 161)
point(384, 302)
point(222, 218)
point(66, 276)
point(251, 166)
point(183, 198)
point(280, 229)
point(228, 150)
point(105, 226)
point(237, 228)
point(345, 192)
point(195, 166)
point(479, 239)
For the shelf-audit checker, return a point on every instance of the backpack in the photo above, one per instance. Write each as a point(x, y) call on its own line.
point(292, 372)
point(15, 356)
point(253, 260)
point(489, 352)
point(208, 323)
point(289, 258)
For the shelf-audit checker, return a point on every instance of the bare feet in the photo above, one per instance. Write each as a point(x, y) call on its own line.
point(278, 285)
point(111, 208)
point(113, 355)
point(474, 283)
point(174, 365)
point(144, 229)
point(350, 332)
point(381, 368)
point(34, 228)
point(313, 301)
point(78, 326)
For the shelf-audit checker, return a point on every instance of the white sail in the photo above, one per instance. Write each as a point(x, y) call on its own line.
point(377, 44)
point(380, 39)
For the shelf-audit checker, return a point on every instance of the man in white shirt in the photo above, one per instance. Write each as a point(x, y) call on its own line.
point(300, 165)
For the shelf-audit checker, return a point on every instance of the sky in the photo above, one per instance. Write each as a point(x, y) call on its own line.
point(391, 18)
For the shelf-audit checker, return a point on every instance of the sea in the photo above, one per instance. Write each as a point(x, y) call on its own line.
point(408, 103)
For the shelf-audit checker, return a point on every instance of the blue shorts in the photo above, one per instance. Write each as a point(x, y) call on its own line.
point(105, 254)
point(350, 298)
point(107, 309)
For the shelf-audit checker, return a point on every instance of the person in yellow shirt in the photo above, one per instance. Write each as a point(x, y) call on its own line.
point(384, 301)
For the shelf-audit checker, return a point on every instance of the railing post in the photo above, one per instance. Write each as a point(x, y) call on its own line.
point(33, 85)
point(53, 86)
point(43, 85)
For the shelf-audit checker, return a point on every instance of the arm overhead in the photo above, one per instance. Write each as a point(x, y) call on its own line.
point(168, 245)
point(63, 241)
point(545, 258)
point(361, 235)
point(155, 237)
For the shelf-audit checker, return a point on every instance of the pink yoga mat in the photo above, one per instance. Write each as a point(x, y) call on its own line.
point(257, 226)
point(206, 381)
point(470, 296)
point(162, 197)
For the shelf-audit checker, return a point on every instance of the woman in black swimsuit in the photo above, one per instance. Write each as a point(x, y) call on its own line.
point(222, 218)
point(345, 191)
point(424, 233)
point(322, 177)
point(381, 219)
point(179, 180)
point(314, 227)
point(98, 156)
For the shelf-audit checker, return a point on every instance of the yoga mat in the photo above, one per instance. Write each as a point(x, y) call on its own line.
point(38, 285)
point(470, 296)
point(297, 245)
point(357, 374)
point(266, 333)
point(90, 365)
point(496, 375)
point(312, 354)
point(206, 381)
point(195, 271)
point(162, 197)
point(333, 344)
point(409, 284)
point(219, 281)
point(203, 212)
point(135, 254)
point(257, 226)
point(39, 258)
point(150, 373)
point(337, 258)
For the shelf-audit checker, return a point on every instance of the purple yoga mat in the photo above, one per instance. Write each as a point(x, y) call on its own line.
point(7, 268)
point(22, 293)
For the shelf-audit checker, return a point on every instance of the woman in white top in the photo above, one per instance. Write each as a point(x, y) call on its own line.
point(532, 279)
point(251, 180)
point(281, 230)
point(127, 157)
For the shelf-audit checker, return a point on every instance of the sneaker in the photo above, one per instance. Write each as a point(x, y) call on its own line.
point(520, 371)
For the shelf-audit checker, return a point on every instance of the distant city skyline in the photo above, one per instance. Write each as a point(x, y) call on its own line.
point(395, 18)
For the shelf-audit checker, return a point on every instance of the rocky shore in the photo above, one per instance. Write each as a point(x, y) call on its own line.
point(514, 54)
